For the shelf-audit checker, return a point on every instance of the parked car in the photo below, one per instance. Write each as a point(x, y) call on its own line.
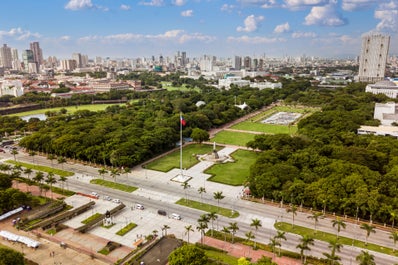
point(107, 198)
point(95, 194)
point(139, 206)
point(162, 212)
point(116, 201)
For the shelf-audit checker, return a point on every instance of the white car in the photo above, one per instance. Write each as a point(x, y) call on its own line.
point(139, 206)
point(176, 216)
point(116, 200)
point(107, 198)
point(95, 194)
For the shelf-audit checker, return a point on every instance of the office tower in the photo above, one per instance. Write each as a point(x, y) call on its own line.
point(373, 58)
point(5, 57)
point(16, 63)
point(247, 63)
point(78, 58)
point(37, 53)
point(238, 63)
point(27, 57)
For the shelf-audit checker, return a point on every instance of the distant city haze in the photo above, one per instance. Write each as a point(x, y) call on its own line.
point(145, 28)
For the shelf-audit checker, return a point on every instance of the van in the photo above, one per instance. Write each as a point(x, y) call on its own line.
point(139, 206)
point(162, 212)
point(176, 216)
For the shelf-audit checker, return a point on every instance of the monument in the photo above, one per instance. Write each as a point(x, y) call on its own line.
point(215, 153)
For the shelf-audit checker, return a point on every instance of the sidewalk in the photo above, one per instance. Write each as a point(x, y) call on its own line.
point(239, 250)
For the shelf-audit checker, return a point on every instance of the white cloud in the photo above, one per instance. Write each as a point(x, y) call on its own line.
point(125, 7)
point(300, 4)
point(65, 38)
point(324, 16)
point(298, 35)
point(251, 23)
point(282, 28)
point(227, 8)
point(351, 5)
point(79, 4)
point(19, 34)
point(177, 35)
point(153, 3)
point(254, 40)
point(179, 2)
point(187, 13)
point(388, 15)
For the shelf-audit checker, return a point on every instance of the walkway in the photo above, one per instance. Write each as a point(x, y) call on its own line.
point(239, 250)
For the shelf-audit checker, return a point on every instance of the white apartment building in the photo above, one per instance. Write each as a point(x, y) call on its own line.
point(388, 88)
point(11, 87)
point(232, 80)
point(373, 58)
point(5, 57)
point(386, 113)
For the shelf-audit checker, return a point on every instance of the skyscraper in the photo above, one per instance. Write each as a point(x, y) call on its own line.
point(37, 53)
point(373, 58)
point(27, 57)
point(5, 57)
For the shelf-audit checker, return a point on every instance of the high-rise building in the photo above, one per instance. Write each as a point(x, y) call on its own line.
point(27, 57)
point(37, 53)
point(16, 63)
point(373, 58)
point(238, 63)
point(5, 57)
point(78, 58)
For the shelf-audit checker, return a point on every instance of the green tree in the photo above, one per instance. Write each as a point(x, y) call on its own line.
point(201, 227)
point(364, 258)
point(331, 257)
point(233, 227)
point(340, 224)
point(61, 160)
point(102, 171)
point(14, 152)
point(50, 180)
point(188, 229)
point(249, 235)
point(305, 242)
point(199, 135)
point(315, 216)
point(114, 173)
point(394, 237)
point(165, 228)
point(188, 254)
point(243, 261)
point(212, 217)
point(256, 223)
point(185, 186)
point(38, 178)
point(201, 190)
point(279, 236)
point(293, 210)
point(11, 257)
point(217, 195)
point(226, 231)
point(274, 243)
point(32, 154)
point(368, 229)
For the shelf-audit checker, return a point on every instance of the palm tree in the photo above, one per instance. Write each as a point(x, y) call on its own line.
point(256, 223)
point(127, 170)
point(340, 224)
point(233, 227)
point(202, 226)
point(114, 173)
point(14, 152)
point(293, 210)
point(226, 231)
point(102, 171)
point(51, 157)
point(50, 179)
point(63, 180)
point(305, 241)
point(165, 228)
point(332, 257)
point(212, 217)
point(393, 216)
point(38, 178)
point(32, 154)
point(280, 235)
point(188, 229)
point(185, 186)
point(273, 243)
point(369, 229)
point(27, 172)
point(315, 216)
point(218, 196)
point(364, 258)
point(394, 237)
point(61, 160)
point(201, 190)
point(249, 235)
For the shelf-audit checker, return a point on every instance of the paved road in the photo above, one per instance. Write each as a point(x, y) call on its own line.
point(157, 190)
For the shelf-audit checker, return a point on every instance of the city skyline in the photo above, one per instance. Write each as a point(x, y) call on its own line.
point(143, 28)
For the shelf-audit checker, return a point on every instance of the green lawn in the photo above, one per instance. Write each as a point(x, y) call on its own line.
point(265, 128)
point(304, 110)
point(113, 185)
point(168, 86)
point(55, 171)
point(234, 173)
point(70, 109)
point(208, 208)
point(324, 236)
point(126, 229)
point(172, 160)
point(233, 138)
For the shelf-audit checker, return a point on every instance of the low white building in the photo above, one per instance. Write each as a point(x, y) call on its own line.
point(379, 130)
point(386, 87)
point(263, 85)
point(386, 113)
point(11, 87)
point(232, 80)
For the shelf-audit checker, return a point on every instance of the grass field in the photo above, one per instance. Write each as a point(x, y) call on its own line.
point(235, 173)
point(113, 185)
point(55, 171)
point(169, 87)
point(189, 159)
point(265, 128)
point(208, 208)
point(70, 109)
point(233, 138)
point(297, 109)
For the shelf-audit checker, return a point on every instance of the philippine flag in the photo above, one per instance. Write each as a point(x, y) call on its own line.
point(183, 121)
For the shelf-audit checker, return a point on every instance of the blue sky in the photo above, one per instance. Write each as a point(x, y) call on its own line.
point(142, 28)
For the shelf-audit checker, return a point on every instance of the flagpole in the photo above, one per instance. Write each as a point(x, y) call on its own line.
point(181, 144)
